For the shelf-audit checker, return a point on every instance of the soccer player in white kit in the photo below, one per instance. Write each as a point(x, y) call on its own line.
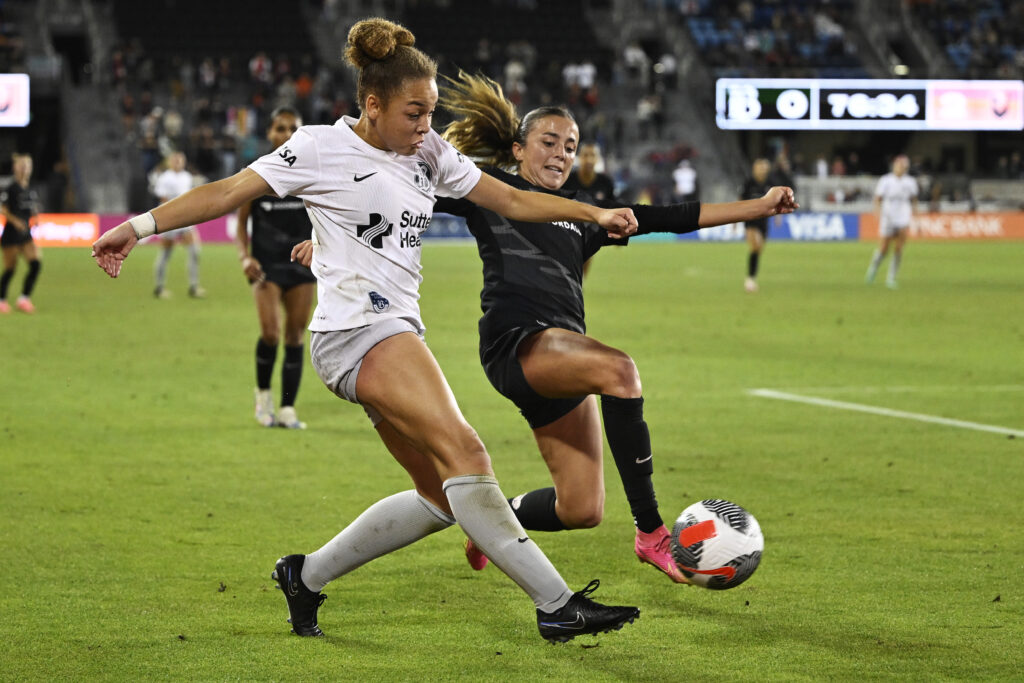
point(171, 183)
point(896, 199)
point(369, 187)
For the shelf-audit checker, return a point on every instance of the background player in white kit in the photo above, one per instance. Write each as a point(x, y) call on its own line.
point(171, 183)
point(369, 188)
point(896, 199)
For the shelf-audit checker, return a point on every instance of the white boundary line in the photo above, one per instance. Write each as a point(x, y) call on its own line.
point(859, 407)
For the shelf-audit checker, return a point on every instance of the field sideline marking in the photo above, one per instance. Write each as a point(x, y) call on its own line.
point(859, 407)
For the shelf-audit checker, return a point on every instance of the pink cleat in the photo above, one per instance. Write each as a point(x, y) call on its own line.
point(476, 558)
point(24, 305)
point(654, 548)
point(5, 307)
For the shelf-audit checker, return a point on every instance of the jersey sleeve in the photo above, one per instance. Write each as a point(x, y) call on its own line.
point(457, 175)
point(880, 188)
point(293, 168)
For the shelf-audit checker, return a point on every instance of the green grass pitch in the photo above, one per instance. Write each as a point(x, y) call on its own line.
point(143, 508)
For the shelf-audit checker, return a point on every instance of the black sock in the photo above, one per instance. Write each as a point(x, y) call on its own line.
point(265, 355)
point(631, 448)
point(291, 373)
point(30, 280)
point(536, 510)
point(5, 281)
point(752, 260)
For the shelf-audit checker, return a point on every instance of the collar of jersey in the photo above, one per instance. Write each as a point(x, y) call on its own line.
point(345, 123)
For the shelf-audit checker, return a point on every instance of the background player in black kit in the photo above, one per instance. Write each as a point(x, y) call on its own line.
point(533, 342)
point(586, 178)
point(20, 205)
point(277, 225)
point(757, 230)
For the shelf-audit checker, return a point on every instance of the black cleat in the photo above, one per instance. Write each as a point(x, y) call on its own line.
point(302, 602)
point(582, 615)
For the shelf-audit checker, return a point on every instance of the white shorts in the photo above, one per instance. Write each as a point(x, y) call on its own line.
point(172, 235)
point(338, 355)
point(886, 228)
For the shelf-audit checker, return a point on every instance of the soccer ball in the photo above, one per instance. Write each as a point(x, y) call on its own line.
point(717, 544)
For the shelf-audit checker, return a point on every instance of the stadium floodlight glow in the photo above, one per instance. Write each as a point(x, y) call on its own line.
point(14, 101)
point(868, 104)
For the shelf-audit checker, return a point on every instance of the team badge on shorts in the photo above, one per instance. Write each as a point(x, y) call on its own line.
point(380, 304)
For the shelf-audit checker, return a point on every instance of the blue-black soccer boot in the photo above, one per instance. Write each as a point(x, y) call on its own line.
point(302, 602)
point(582, 615)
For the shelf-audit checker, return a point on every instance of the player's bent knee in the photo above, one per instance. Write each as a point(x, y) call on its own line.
point(623, 378)
point(585, 516)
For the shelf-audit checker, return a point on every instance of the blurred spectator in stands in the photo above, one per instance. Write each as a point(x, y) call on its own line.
point(951, 184)
point(207, 75)
point(838, 167)
point(1016, 165)
point(637, 64)
point(665, 71)
point(172, 134)
point(515, 80)
point(686, 186)
point(782, 171)
point(853, 164)
point(821, 166)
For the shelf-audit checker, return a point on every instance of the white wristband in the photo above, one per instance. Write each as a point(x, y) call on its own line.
point(144, 225)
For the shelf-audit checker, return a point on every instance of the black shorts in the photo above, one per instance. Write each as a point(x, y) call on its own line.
point(501, 365)
point(12, 237)
point(287, 275)
point(760, 226)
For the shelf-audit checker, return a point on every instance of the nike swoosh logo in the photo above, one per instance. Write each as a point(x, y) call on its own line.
point(639, 461)
point(577, 625)
point(360, 179)
point(524, 539)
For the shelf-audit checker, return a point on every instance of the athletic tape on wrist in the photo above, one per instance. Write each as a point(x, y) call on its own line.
point(144, 225)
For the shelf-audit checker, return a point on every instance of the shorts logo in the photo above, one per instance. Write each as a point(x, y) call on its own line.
point(375, 230)
point(424, 176)
point(380, 304)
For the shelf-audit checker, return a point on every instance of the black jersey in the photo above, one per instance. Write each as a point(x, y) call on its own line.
point(277, 226)
point(602, 189)
point(23, 202)
point(755, 190)
point(533, 272)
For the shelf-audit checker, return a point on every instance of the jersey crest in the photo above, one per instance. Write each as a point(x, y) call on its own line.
point(423, 176)
point(380, 303)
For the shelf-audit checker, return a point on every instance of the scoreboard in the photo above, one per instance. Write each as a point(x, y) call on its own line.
point(867, 104)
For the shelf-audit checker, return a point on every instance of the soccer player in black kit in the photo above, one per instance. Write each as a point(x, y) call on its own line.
point(757, 230)
point(277, 225)
point(533, 342)
point(20, 205)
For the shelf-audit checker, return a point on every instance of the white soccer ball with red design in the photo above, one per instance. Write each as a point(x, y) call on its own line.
point(717, 544)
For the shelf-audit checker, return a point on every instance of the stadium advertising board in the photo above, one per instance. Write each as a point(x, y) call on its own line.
point(65, 229)
point(865, 104)
point(954, 226)
point(14, 100)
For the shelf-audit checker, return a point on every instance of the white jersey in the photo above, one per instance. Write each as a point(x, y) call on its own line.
point(896, 193)
point(368, 208)
point(171, 184)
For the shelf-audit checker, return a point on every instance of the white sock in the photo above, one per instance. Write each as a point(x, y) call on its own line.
point(193, 265)
point(894, 265)
point(387, 525)
point(876, 260)
point(161, 267)
point(483, 513)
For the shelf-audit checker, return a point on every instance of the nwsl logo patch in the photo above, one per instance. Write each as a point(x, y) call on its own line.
point(380, 304)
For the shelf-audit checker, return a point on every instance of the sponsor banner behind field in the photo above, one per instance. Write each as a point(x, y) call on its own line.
point(64, 229)
point(800, 226)
point(954, 226)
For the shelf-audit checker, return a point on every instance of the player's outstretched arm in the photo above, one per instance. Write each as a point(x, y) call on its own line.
point(540, 207)
point(199, 204)
point(778, 200)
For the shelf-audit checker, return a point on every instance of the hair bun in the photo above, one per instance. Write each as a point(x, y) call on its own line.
point(374, 40)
